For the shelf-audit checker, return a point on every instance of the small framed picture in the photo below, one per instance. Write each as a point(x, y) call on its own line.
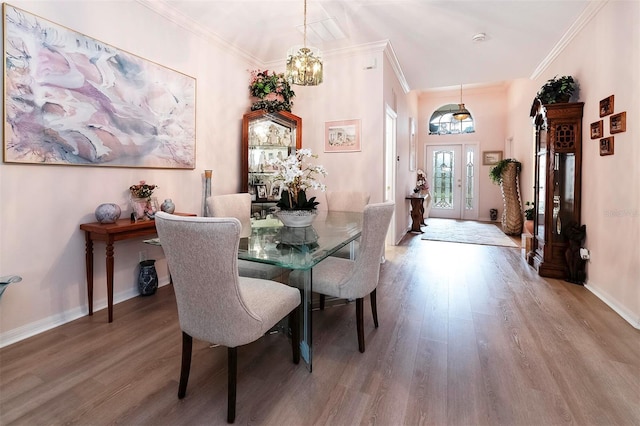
point(596, 130)
point(276, 190)
point(261, 192)
point(606, 106)
point(491, 158)
point(618, 123)
point(342, 136)
point(606, 146)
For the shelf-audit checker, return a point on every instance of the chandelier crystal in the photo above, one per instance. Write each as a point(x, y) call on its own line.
point(304, 63)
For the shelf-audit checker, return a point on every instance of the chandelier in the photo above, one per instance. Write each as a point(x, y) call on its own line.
point(304, 63)
point(462, 113)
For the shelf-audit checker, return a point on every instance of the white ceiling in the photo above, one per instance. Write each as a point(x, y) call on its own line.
point(432, 40)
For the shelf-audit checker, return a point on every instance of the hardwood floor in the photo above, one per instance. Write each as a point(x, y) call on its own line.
point(469, 335)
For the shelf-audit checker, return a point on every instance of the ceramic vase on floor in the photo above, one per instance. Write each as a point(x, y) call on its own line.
point(147, 278)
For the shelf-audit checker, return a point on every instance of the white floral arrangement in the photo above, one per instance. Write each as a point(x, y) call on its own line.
point(296, 174)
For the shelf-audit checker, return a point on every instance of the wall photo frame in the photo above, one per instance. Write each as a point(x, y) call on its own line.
point(606, 146)
point(618, 123)
point(491, 158)
point(596, 130)
point(606, 106)
point(342, 136)
point(92, 103)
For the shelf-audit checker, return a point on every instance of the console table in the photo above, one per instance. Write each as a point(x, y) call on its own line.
point(122, 229)
point(417, 212)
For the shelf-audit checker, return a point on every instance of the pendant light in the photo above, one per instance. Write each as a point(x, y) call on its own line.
point(304, 63)
point(462, 113)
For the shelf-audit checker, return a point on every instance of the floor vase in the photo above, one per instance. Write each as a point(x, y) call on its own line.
point(147, 278)
point(512, 219)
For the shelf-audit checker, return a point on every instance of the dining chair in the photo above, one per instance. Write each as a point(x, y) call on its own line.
point(215, 304)
point(239, 206)
point(354, 279)
point(346, 201)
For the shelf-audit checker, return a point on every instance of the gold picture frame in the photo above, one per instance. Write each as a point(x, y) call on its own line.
point(491, 158)
point(618, 123)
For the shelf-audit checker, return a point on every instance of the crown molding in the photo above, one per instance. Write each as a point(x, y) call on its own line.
point(168, 12)
point(585, 17)
point(163, 9)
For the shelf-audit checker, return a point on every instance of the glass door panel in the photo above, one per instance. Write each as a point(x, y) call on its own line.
point(445, 166)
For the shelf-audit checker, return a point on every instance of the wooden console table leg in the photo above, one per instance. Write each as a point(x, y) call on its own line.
point(88, 262)
point(110, 278)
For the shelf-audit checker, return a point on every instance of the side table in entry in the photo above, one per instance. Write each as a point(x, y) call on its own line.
point(417, 212)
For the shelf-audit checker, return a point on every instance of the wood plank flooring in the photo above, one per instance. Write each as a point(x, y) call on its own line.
point(469, 335)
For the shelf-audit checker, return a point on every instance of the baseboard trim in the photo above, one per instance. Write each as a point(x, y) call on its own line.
point(613, 304)
point(45, 324)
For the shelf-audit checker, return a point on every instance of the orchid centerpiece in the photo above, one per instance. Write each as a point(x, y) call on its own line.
point(296, 174)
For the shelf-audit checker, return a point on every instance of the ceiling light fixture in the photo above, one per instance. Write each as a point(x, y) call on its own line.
point(304, 64)
point(479, 37)
point(462, 113)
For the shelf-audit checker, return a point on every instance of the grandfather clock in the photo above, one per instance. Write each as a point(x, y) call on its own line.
point(558, 164)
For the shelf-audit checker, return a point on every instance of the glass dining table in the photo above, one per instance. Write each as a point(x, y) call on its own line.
point(301, 249)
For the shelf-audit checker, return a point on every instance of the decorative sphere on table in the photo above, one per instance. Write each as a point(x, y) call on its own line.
point(108, 213)
point(167, 206)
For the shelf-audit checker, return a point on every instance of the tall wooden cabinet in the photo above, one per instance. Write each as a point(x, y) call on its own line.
point(558, 182)
point(266, 136)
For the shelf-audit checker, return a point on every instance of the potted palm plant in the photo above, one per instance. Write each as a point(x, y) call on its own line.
point(557, 90)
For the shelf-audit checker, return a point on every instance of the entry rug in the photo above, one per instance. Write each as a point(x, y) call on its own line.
point(466, 231)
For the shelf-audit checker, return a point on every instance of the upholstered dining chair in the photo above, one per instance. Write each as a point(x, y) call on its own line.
point(215, 304)
point(354, 279)
point(239, 206)
point(346, 201)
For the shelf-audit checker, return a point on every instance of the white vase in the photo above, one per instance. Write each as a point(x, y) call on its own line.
point(296, 218)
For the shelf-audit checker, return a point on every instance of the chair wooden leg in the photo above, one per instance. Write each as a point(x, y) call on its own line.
point(187, 345)
point(294, 326)
point(232, 355)
point(374, 307)
point(322, 298)
point(360, 323)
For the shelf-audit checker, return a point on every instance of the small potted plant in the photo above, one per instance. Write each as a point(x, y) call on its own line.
point(557, 90)
point(528, 216)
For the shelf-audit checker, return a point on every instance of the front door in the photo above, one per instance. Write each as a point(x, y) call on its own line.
point(452, 174)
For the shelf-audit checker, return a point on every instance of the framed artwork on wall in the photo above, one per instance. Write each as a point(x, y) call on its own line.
point(606, 146)
point(596, 130)
point(92, 103)
point(491, 158)
point(606, 106)
point(618, 123)
point(342, 136)
point(412, 144)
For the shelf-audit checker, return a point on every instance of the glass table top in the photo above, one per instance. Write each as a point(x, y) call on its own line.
point(300, 248)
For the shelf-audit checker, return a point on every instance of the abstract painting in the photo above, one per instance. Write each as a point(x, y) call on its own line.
point(71, 99)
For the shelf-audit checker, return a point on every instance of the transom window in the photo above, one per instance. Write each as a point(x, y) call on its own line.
point(443, 123)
